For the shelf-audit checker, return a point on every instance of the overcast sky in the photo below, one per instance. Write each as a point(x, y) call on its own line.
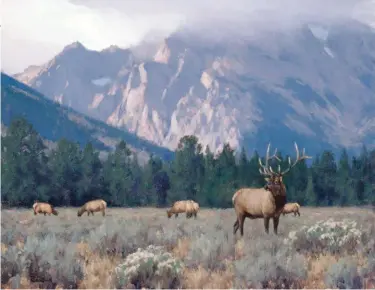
point(34, 31)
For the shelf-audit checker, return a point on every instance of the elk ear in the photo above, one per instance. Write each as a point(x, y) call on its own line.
point(267, 179)
point(281, 178)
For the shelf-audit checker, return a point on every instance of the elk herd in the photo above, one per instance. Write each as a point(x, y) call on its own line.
point(266, 203)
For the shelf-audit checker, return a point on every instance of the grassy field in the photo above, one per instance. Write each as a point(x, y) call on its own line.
point(324, 247)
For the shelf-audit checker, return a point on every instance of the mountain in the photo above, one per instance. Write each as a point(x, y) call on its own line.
point(54, 121)
point(314, 84)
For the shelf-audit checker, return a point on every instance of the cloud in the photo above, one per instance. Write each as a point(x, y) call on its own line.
point(33, 31)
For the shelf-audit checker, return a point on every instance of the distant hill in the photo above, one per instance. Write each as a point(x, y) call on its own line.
point(54, 121)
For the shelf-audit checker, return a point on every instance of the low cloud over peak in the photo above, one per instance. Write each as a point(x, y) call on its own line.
point(98, 24)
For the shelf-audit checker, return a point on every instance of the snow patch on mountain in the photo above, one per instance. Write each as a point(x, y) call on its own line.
point(101, 82)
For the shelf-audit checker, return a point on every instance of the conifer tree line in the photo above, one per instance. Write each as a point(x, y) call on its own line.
point(69, 175)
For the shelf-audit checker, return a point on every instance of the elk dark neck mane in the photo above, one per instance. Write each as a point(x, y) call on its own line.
point(279, 194)
point(280, 201)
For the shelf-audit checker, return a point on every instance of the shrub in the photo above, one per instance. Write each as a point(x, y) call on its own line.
point(120, 238)
point(152, 267)
point(210, 251)
point(343, 275)
point(52, 263)
point(331, 236)
point(270, 265)
point(11, 263)
point(368, 271)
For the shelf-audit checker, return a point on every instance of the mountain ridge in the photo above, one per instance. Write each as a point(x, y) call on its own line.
point(54, 121)
point(315, 85)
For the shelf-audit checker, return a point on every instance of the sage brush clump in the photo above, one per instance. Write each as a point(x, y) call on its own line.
point(12, 261)
point(46, 261)
point(343, 275)
point(335, 237)
point(268, 264)
point(211, 251)
point(152, 267)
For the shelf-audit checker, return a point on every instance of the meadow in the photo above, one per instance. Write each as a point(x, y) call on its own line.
point(141, 247)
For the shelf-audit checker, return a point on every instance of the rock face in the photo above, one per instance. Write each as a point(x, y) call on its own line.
point(54, 122)
point(315, 85)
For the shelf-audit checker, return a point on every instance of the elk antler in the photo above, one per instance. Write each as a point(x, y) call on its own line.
point(265, 169)
point(298, 158)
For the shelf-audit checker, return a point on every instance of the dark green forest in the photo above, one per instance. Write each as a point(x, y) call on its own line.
point(70, 175)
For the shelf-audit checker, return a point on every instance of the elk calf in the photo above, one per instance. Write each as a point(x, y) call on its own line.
point(291, 208)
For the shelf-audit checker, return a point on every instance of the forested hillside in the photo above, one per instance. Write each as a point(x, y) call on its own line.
point(69, 175)
point(54, 121)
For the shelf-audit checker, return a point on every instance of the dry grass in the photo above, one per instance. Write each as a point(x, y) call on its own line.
point(213, 257)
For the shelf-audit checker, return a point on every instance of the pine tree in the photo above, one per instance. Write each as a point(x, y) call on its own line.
point(24, 172)
point(226, 176)
point(66, 168)
point(326, 172)
point(187, 169)
point(311, 197)
point(255, 179)
point(118, 176)
point(344, 187)
point(90, 184)
point(243, 169)
point(208, 196)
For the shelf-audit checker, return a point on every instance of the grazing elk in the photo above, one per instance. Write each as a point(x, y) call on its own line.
point(93, 206)
point(181, 206)
point(44, 208)
point(291, 208)
point(267, 202)
point(193, 210)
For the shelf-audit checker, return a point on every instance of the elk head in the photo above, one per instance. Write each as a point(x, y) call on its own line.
point(275, 179)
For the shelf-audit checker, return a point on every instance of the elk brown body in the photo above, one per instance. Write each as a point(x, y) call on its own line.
point(44, 208)
point(267, 202)
point(192, 209)
point(93, 206)
point(181, 206)
point(291, 208)
point(196, 208)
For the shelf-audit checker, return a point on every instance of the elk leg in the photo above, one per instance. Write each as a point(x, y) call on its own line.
point(103, 212)
point(44, 214)
point(275, 224)
point(88, 213)
point(298, 213)
point(241, 221)
point(267, 224)
point(235, 226)
point(176, 215)
point(92, 212)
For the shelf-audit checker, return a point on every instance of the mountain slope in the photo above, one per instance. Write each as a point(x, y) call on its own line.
point(315, 85)
point(54, 121)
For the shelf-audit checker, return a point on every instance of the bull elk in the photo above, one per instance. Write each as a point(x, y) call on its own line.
point(267, 202)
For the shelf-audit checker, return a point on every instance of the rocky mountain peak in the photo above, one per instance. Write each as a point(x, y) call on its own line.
point(76, 45)
point(314, 85)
